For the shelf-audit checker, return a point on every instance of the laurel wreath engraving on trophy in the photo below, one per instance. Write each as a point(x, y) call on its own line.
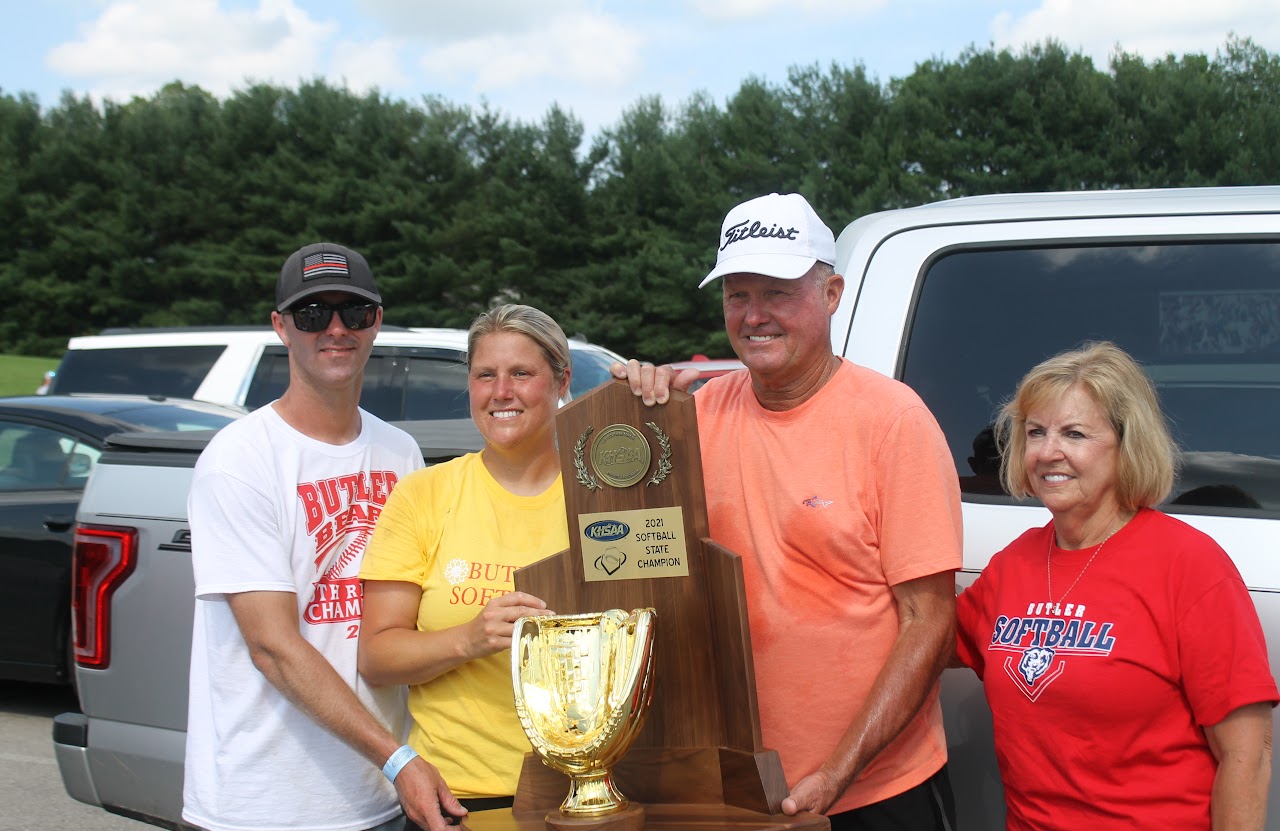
point(664, 461)
point(584, 476)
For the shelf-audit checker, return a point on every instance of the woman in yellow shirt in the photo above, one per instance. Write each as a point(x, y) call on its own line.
point(439, 603)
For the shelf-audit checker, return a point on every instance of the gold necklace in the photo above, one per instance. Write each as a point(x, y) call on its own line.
point(1048, 565)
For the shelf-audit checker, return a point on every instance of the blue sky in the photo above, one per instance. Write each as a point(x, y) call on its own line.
point(593, 58)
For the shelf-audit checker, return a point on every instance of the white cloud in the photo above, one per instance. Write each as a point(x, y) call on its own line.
point(593, 57)
point(1150, 28)
point(135, 46)
point(588, 51)
point(784, 10)
point(443, 22)
point(369, 64)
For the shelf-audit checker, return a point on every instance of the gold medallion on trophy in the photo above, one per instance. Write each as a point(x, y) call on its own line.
point(583, 684)
point(621, 455)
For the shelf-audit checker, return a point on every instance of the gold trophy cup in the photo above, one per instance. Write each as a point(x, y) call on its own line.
point(582, 687)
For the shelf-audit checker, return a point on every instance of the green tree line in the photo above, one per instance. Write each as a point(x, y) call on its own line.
point(178, 209)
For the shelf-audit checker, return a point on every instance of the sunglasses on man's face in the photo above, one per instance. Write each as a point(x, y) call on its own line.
point(316, 317)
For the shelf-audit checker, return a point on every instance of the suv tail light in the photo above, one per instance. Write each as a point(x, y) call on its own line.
point(103, 556)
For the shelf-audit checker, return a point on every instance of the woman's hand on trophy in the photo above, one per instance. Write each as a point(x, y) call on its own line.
point(490, 631)
point(653, 383)
point(815, 793)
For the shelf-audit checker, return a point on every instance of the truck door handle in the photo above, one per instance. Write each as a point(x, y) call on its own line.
point(58, 524)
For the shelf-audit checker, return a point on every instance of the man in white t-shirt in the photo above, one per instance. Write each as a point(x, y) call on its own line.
point(282, 731)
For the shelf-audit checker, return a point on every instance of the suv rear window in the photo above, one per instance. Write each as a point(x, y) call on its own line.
point(174, 371)
point(1202, 319)
point(400, 382)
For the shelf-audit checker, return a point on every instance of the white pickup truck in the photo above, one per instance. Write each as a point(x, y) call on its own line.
point(958, 299)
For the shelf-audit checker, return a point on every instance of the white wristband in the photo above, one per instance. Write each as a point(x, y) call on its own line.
point(398, 760)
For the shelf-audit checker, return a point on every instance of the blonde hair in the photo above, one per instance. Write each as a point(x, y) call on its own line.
point(530, 322)
point(1148, 457)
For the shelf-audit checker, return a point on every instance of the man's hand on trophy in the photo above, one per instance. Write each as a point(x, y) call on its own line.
point(816, 793)
point(653, 383)
point(426, 798)
point(490, 631)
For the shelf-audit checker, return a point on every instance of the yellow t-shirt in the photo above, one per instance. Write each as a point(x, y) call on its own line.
point(453, 530)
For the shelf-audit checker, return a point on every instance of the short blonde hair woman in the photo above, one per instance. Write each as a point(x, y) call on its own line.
point(1119, 649)
point(439, 603)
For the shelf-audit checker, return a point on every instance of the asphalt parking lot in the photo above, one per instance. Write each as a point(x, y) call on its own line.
point(31, 794)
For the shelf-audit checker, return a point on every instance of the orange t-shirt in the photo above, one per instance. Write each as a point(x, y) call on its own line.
point(829, 505)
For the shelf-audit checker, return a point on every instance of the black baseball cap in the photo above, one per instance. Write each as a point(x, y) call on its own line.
point(321, 267)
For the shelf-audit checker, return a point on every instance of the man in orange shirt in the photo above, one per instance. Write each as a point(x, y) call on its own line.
point(836, 486)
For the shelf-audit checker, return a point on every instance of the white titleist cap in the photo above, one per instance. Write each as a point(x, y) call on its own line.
point(777, 235)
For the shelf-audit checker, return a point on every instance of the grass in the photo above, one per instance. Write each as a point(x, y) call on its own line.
point(21, 374)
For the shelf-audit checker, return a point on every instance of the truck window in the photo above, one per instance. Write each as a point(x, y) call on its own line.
point(1202, 318)
point(174, 371)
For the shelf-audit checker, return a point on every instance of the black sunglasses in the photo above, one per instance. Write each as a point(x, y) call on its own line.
point(316, 317)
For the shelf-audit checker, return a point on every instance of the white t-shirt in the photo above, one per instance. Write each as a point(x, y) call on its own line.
point(273, 510)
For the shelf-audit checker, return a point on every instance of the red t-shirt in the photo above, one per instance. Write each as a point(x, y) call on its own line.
point(830, 505)
point(1099, 702)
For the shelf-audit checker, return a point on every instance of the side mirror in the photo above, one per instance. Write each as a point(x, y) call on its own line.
point(79, 466)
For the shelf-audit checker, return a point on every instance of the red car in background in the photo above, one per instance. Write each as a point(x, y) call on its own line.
point(709, 367)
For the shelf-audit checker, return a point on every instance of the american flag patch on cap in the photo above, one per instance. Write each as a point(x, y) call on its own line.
point(324, 265)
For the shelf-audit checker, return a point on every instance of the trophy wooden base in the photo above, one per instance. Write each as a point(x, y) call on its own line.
point(667, 817)
point(653, 776)
point(630, 818)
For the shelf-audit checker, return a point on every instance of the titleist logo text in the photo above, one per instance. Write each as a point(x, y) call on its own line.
point(747, 229)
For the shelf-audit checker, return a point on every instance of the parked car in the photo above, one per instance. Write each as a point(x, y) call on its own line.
point(412, 374)
point(709, 367)
point(48, 447)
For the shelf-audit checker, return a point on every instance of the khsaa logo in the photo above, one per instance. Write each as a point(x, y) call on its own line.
point(606, 530)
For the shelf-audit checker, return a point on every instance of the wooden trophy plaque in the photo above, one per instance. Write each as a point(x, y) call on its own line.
point(638, 538)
